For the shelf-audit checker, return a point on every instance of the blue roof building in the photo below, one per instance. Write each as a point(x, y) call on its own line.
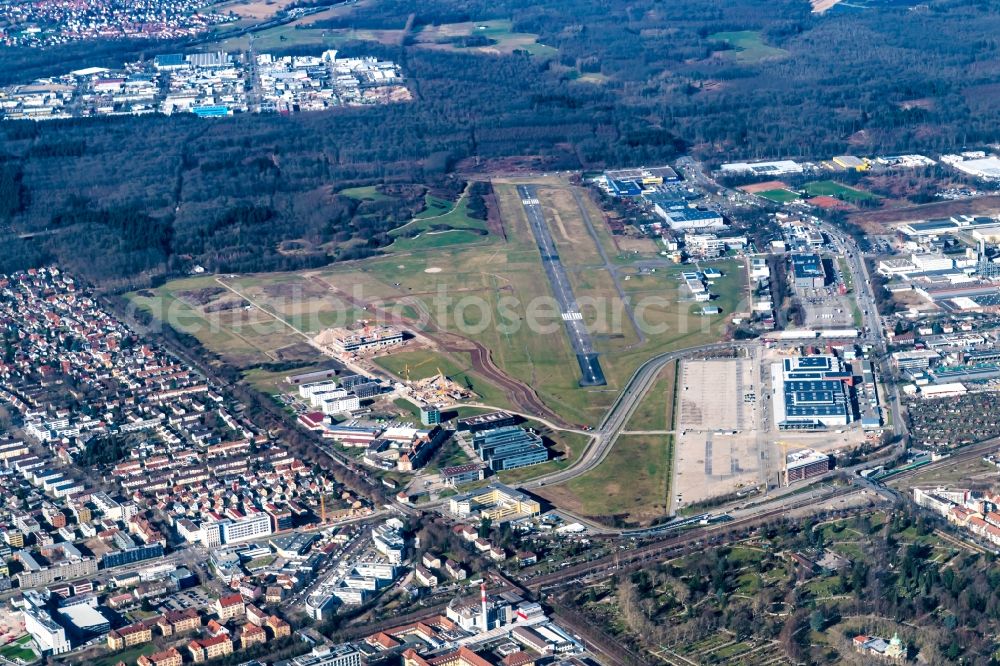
point(216, 111)
point(509, 447)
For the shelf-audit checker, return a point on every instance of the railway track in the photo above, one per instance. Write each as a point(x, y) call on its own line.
point(634, 559)
point(966, 453)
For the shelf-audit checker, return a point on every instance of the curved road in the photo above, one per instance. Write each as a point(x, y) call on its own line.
point(635, 390)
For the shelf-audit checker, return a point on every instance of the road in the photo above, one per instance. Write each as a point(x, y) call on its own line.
point(576, 329)
point(617, 417)
point(873, 334)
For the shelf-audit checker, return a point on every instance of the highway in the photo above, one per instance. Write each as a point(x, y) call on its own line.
point(576, 329)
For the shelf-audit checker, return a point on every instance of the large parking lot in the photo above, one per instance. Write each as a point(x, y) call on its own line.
point(180, 601)
point(718, 394)
point(825, 308)
point(717, 448)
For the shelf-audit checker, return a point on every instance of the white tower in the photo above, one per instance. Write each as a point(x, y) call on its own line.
point(486, 616)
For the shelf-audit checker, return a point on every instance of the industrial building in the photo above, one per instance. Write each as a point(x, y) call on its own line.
point(987, 167)
point(808, 271)
point(632, 182)
point(488, 421)
point(951, 225)
point(680, 216)
point(919, 359)
point(805, 464)
point(776, 168)
point(810, 393)
point(84, 619)
point(459, 474)
point(48, 634)
point(509, 447)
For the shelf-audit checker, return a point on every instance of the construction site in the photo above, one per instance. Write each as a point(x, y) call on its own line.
point(438, 391)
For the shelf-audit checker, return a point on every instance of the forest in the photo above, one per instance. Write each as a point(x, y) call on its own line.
point(127, 201)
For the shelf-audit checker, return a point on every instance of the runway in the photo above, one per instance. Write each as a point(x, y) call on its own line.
point(579, 336)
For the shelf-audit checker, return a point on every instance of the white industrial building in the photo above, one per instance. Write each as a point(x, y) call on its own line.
point(49, 635)
point(987, 168)
point(810, 392)
point(949, 390)
point(777, 168)
point(932, 262)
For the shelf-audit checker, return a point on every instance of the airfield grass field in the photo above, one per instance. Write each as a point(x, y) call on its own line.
point(748, 46)
point(834, 189)
point(364, 193)
point(656, 410)
point(630, 484)
point(486, 290)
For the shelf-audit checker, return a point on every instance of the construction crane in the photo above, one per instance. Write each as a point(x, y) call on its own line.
point(407, 369)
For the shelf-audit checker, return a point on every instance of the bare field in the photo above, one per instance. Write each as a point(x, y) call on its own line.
point(245, 335)
point(635, 245)
point(253, 9)
point(874, 221)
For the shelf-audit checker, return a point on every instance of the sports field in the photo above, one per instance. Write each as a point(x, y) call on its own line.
point(780, 196)
point(834, 189)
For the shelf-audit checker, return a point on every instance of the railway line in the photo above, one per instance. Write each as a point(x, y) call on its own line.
point(630, 560)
